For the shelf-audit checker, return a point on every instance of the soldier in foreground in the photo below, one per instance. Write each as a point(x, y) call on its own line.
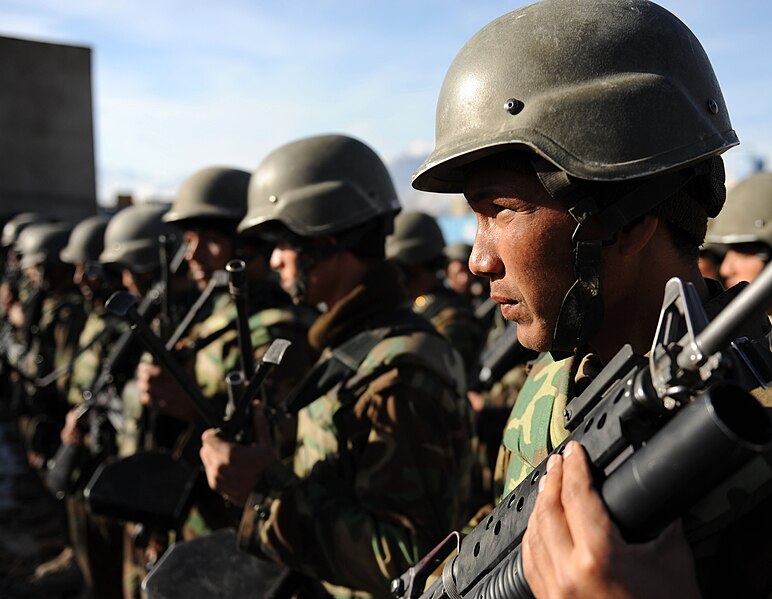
point(380, 473)
point(586, 137)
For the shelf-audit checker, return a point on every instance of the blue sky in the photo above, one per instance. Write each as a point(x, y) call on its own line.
point(179, 85)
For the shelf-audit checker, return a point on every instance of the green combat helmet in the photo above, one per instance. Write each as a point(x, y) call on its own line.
point(86, 241)
point(616, 105)
point(41, 243)
point(458, 251)
point(209, 196)
point(329, 185)
point(417, 239)
point(13, 228)
point(131, 238)
point(747, 216)
point(320, 186)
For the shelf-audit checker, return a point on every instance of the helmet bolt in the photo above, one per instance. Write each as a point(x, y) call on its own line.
point(713, 106)
point(513, 106)
point(273, 199)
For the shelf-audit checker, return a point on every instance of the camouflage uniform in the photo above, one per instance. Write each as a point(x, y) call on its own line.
point(381, 471)
point(96, 540)
point(53, 345)
point(98, 341)
point(727, 558)
point(273, 317)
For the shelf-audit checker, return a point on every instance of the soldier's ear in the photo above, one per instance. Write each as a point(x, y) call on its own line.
point(635, 237)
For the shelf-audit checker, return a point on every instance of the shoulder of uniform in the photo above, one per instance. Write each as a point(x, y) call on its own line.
point(422, 349)
point(271, 317)
point(547, 377)
point(218, 320)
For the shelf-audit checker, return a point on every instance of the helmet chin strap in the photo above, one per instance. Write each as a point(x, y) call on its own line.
point(581, 313)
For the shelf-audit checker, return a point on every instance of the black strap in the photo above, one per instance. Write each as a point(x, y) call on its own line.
point(348, 357)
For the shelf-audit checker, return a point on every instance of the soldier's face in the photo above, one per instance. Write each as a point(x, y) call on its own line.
point(86, 284)
point(523, 245)
point(206, 252)
point(743, 262)
point(33, 274)
point(459, 277)
point(285, 260)
point(320, 279)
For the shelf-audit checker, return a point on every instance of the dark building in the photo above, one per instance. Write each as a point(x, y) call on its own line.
point(46, 129)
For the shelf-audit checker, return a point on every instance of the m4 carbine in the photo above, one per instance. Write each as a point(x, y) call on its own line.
point(661, 433)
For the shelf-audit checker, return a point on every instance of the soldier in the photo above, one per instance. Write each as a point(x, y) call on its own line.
point(586, 137)
point(458, 276)
point(54, 319)
point(380, 473)
point(208, 207)
point(97, 541)
point(417, 246)
point(10, 292)
point(132, 246)
point(744, 229)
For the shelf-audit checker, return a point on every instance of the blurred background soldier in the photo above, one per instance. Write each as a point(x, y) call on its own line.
point(381, 470)
point(10, 287)
point(207, 208)
point(132, 245)
point(47, 316)
point(54, 318)
point(460, 279)
point(417, 246)
point(97, 541)
point(744, 229)
point(711, 256)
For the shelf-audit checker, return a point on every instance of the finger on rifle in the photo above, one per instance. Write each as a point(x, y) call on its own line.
point(210, 432)
point(547, 543)
point(585, 513)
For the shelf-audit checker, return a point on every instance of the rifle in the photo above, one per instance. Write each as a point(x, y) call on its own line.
point(100, 407)
point(495, 361)
point(660, 434)
point(114, 491)
point(237, 287)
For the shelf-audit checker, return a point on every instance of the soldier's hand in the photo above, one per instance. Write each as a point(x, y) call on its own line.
point(70, 433)
point(158, 389)
point(572, 548)
point(15, 315)
point(234, 470)
point(6, 297)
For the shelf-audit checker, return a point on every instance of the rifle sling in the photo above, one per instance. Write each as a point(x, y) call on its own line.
point(346, 359)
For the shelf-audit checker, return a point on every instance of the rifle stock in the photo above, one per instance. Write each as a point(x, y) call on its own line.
point(660, 434)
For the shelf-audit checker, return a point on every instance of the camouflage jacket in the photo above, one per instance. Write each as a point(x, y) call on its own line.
point(273, 317)
point(54, 342)
point(97, 338)
point(381, 472)
point(729, 532)
point(454, 317)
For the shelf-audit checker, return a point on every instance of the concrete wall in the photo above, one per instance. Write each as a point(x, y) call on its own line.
point(46, 129)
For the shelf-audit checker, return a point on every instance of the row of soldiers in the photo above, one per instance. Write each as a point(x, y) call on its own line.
point(586, 136)
point(360, 456)
point(57, 280)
